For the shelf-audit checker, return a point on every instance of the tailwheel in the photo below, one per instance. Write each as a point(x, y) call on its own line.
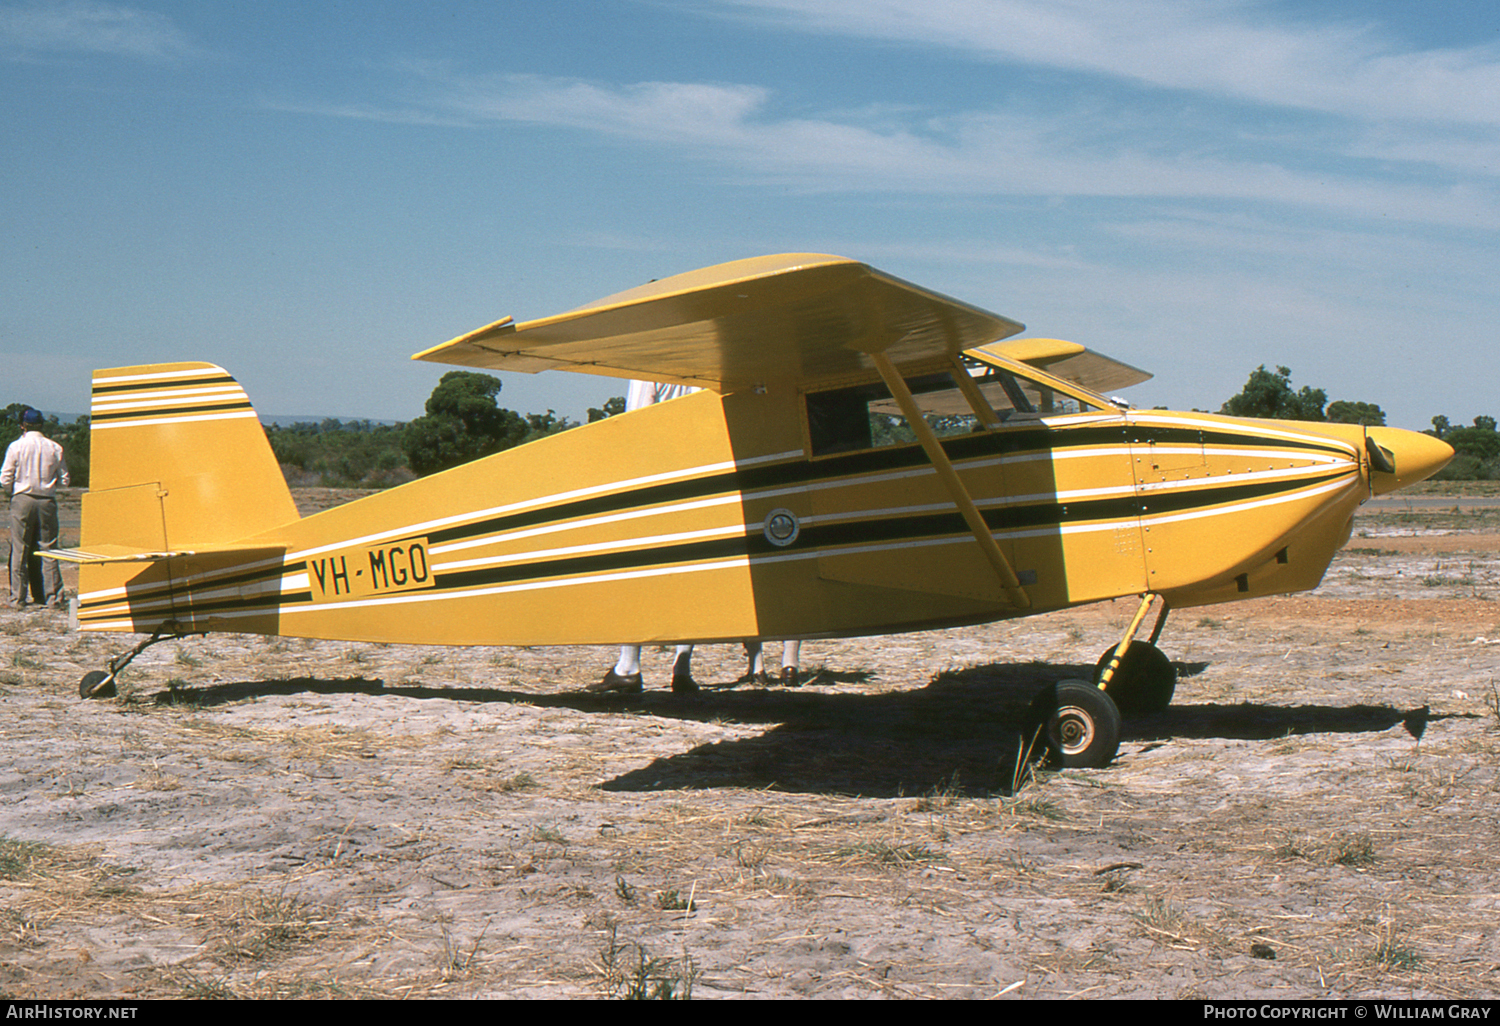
point(1145, 681)
point(1078, 723)
point(97, 684)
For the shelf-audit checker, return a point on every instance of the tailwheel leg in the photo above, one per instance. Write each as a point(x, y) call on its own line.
point(1137, 674)
point(101, 683)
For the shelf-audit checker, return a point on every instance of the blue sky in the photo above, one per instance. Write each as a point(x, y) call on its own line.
point(307, 193)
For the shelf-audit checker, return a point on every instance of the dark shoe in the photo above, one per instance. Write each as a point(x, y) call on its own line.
point(617, 683)
point(789, 677)
point(684, 685)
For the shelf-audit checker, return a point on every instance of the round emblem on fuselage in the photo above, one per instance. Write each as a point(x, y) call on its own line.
point(782, 527)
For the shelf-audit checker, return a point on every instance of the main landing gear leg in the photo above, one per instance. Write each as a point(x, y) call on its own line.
point(101, 683)
point(1137, 674)
point(1077, 722)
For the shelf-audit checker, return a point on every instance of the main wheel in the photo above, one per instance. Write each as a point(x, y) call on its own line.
point(89, 687)
point(1145, 681)
point(1079, 723)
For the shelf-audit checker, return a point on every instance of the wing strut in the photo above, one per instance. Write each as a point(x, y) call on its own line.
point(951, 481)
point(976, 398)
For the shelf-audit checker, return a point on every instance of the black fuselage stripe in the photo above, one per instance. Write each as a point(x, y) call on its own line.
point(169, 411)
point(164, 385)
point(201, 581)
point(802, 472)
point(884, 529)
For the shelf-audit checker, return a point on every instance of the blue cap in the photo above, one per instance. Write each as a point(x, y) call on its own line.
point(31, 416)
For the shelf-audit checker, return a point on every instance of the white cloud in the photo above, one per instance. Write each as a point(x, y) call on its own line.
point(85, 26)
point(1230, 48)
point(1009, 154)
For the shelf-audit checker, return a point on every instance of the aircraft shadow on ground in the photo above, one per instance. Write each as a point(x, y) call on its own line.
point(964, 730)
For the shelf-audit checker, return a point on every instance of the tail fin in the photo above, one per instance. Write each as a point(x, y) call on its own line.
point(178, 459)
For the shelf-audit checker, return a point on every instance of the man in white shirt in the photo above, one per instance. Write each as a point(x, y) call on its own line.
point(34, 468)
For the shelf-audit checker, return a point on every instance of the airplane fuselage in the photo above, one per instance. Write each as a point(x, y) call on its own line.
point(716, 518)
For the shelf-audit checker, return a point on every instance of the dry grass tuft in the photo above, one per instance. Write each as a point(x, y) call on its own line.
point(1353, 850)
point(258, 925)
point(314, 744)
point(626, 970)
point(1392, 951)
point(884, 853)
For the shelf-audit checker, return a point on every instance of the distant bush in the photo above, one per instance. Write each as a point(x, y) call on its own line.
point(1477, 450)
point(340, 454)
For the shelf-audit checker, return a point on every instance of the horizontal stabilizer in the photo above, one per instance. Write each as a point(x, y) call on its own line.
point(107, 554)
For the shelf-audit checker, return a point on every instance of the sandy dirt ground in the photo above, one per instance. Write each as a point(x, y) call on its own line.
point(258, 817)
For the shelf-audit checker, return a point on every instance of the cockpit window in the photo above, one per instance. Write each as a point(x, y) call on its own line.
point(868, 417)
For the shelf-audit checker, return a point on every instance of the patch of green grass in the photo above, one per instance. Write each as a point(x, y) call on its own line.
point(942, 796)
point(266, 924)
point(1353, 850)
point(1391, 951)
point(673, 901)
point(1443, 581)
point(1038, 808)
point(885, 854)
point(517, 782)
point(19, 859)
point(1160, 914)
point(22, 660)
point(626, 971)
point(205, 988)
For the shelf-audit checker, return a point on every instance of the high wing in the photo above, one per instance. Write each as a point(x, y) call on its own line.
point(795, 317)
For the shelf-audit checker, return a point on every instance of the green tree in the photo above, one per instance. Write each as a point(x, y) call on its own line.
point(1270, 395)
point(1344, 411)
point(543, 424)
point(463, 423)
point(1476, 449)
point(74, 438)
point(613, 407)
point(340, 454)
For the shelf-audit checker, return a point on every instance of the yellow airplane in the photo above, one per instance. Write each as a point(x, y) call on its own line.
point(866, 457)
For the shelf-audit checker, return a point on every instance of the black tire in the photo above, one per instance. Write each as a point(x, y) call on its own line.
point(1078, 723)
point(89, 687)
point(1144, 683)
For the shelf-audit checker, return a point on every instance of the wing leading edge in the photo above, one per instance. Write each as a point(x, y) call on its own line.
point(792, 317)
